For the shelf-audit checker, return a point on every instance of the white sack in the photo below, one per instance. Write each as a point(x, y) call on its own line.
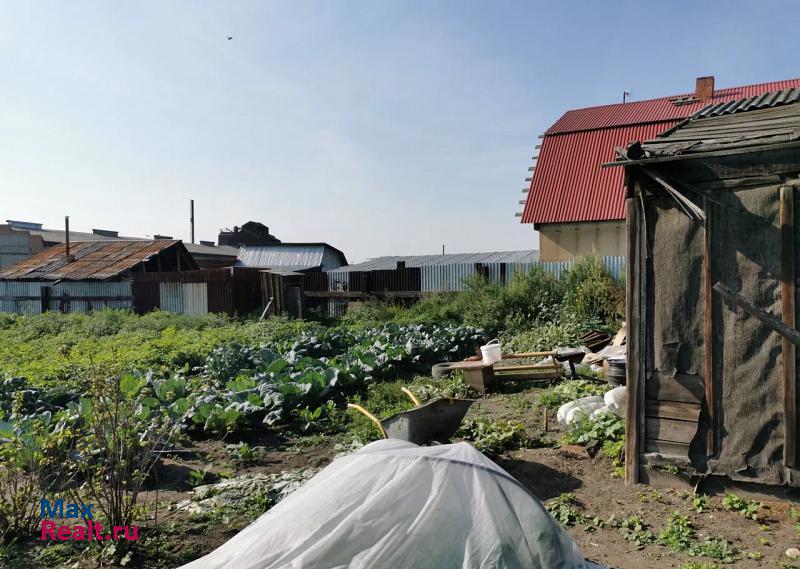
point(584, 406)
point(396, 505)
point(602, 410)
point(617, 400)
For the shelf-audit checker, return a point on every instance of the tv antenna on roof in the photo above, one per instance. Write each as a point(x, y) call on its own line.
point(625, 95)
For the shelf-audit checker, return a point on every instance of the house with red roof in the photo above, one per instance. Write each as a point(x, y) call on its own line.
point(577, 206)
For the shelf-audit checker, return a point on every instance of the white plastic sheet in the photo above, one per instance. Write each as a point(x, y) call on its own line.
point(396, 505)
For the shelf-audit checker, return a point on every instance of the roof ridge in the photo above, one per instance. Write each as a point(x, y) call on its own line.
point(685, 94)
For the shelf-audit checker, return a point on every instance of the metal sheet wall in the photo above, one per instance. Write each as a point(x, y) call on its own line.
point(25, 297)
point(439, 278)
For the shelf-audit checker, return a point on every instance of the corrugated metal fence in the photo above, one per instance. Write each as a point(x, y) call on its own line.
point(30, 297)
point(440, 278)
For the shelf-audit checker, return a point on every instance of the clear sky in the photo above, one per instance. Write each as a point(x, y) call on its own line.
point(381, 127)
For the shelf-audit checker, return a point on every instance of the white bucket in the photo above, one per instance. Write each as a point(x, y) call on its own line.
point(491, 352)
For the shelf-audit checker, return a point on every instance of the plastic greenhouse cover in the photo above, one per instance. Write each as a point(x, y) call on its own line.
point(394, 504)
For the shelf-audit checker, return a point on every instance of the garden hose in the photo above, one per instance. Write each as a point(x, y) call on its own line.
point(370, 416)
point(411, 396)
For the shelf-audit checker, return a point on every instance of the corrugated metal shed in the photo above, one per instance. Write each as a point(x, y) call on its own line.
point(30, 297)
point(390, 262)
point(568, 184)
point(291, 256)
point(96, 260)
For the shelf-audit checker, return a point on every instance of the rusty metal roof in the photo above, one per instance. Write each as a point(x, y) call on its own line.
point(569, 185)
point(92, 260)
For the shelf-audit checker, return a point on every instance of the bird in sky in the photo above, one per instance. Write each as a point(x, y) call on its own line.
point(230, 37)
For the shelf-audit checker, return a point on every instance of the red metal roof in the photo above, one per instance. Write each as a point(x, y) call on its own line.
point(569, 185)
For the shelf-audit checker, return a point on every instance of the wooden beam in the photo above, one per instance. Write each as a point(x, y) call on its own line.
point(701, 155)
point(708, 335)
point(788, 317)
point(765, 317)
point(688, 206)
point(633, 434)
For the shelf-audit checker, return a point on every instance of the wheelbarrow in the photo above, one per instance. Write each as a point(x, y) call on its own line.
point(437, 420)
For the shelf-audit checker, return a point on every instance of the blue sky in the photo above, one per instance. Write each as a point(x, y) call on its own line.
point(381, 127)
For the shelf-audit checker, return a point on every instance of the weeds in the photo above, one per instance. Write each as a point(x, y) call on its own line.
point(566, 510)
point(493, 437)
point(748, 508)
point(634, 530)
point(677, 534)
point(715, 548)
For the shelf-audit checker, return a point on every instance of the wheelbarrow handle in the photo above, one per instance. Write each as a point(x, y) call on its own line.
point(370, 416)
point(411, 396)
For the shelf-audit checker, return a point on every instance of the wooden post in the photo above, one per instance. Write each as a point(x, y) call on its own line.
point(708, 333)
point(635, 258)
point(788, 317)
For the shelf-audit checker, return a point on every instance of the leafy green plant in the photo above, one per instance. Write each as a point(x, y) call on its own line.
point(677, 533)
point(715, 548)
point(493, 437)
point(699, 503)
point(615, 450)
point(634, 529)
point(566, 510)
point(570, 390)
point(701, 565)
point(748, 508)
point(119, 444)
point(603, 427)
point(197, 477)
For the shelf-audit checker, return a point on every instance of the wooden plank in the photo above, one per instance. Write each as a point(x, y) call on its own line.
point(672, 410)
point(708, 334)
point(705, 155)
point(683, 387)
point(788, 317)
point(765, 317)
point(666, 448)
point(691, 209)
point(633, 292)
point(670, 430)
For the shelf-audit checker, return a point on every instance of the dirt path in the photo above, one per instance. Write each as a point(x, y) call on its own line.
point(548, 473)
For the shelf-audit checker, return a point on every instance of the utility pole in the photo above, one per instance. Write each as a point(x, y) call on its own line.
point(191, 219)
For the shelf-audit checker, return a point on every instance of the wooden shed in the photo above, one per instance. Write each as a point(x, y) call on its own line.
point(712, 267)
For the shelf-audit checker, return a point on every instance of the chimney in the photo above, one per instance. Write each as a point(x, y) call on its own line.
point(704, 88)
point(66, 239)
